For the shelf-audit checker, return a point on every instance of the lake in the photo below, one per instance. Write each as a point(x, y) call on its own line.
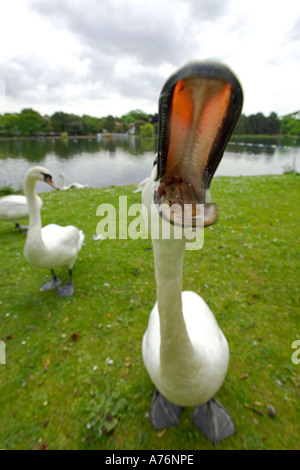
point(121, 160)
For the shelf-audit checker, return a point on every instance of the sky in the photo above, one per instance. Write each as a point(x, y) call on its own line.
point(101, 57)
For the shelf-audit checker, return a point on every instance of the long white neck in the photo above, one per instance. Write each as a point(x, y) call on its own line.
point(62, 180)
point(35, 223)
point(176, 350)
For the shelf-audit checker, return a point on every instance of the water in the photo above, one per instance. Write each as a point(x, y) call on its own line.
point(124, 160)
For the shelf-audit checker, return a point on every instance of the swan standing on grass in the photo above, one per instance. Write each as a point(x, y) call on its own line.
point(73, 185)
point(15, 208)
point(52, 246)
point(184, 350)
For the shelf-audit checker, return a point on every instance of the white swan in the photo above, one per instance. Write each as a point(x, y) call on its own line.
point(15, 208)
point(184, 350)
point(73, 185)
point(141, 185)
point(52, 246)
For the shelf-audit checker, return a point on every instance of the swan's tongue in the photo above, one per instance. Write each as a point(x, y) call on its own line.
point(182, 205)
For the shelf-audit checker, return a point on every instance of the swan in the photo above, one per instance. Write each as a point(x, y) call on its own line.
point(184, 350)
point(73, 185)
point(52, 246)
point(15, 208)
point(141, 185)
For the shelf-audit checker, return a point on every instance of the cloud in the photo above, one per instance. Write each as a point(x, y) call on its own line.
point(129, 48)
point(295, 32)
point(86, 56)
point(119, 29)
point(208, 9)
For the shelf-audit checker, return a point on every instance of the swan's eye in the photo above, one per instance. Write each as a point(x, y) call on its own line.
point(47, 177)
point(48, 180)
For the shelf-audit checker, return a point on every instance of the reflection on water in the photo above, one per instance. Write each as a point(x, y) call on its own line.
point(245, 160)
point(123, 160)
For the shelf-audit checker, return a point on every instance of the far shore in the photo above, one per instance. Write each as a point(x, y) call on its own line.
point(295, 139)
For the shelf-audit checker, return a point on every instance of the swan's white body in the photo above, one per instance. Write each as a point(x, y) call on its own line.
point(52, 246)
point(184, 351)
point(15, 207)
point(73, 185)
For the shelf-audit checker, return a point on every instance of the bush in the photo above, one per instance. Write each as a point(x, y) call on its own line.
point(147, 130)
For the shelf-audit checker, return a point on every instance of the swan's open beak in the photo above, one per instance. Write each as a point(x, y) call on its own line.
point(199, 107)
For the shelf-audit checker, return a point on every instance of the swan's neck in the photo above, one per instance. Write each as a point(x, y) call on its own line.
point(35, 223)
point(62, 180)
point(176, 349)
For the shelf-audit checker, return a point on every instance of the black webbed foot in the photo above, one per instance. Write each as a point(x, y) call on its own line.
point(66, 291)
point(52, 284)
point(163, 413)
point(214, 421)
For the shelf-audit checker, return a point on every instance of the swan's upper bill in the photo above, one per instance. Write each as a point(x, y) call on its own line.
point(199, 106)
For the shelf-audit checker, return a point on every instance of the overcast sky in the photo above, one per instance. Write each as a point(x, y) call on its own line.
point(101, 57)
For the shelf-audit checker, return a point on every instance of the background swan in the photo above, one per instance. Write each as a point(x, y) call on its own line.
point(73, 185)
point(185, 352)
point(15, 208)
point(52, 246)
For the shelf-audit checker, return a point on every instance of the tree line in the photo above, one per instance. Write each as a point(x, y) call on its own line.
point(31, 123)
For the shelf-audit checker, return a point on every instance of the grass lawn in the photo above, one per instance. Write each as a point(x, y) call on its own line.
point(74, 376)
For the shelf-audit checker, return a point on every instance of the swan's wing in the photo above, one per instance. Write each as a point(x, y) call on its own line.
point(65, 240)
point(12, 207)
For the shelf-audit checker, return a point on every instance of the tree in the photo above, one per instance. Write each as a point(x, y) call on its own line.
point(290, 125)
point(46, 125)
point(136, 115)
point(92, 124)
point(71, 123)
point(30, 122)
point(273, 124)
point(258, 124)
point(75, 124)
point(109, 123)
point(59, 122)
point(147, 130)
point(9, 123)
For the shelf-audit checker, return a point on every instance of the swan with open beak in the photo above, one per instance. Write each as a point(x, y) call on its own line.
point(184, 350)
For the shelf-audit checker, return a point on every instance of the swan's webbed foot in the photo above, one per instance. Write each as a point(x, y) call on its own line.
point(163, 413)
point(66, 291)
point(214, 421)
point(52, 284)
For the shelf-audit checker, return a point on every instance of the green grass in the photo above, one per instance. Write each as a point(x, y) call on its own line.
point(58, 389)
